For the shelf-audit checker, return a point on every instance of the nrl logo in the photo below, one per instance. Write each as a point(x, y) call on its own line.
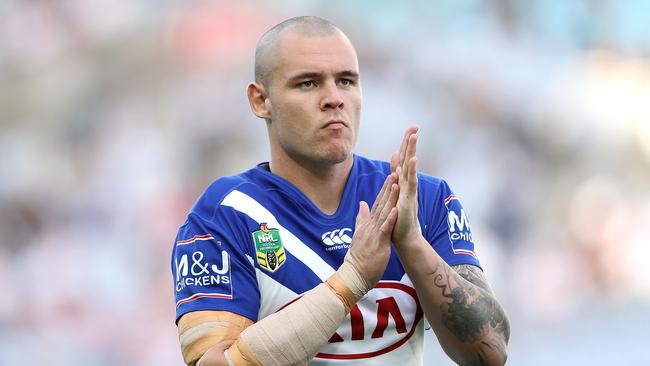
point(269, 249)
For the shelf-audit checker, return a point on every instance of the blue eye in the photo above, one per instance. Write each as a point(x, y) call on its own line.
point(345, 82)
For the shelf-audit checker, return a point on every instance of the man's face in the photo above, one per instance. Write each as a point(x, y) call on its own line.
point(315, 98)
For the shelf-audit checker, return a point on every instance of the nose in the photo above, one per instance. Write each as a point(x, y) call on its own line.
point(331, 98)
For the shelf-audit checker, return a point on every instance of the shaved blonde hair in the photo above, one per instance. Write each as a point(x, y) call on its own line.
point(268, 46)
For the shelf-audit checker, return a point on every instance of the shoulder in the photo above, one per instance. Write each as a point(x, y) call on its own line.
point(212, 199)
point(433, 189)
point(430, 182)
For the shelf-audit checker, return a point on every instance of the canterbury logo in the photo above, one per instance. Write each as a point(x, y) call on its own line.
point(338, 236)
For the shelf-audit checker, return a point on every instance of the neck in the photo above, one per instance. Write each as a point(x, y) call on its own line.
point(322, 183)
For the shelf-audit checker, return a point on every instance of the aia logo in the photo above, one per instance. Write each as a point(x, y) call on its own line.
point(385, 319)
point(337, 239)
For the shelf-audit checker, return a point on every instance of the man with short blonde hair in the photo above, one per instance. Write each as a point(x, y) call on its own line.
point(322, 256)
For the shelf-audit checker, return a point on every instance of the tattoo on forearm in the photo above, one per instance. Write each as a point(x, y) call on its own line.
point(472, 313)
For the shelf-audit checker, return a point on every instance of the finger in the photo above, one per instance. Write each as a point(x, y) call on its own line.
point(394, 160)
point(402, 147)
point(385, 197)
point(215, 354)
point(409, 131)
point(402, 178)
point(386, 228)
point(394, 196)
point(411, 148)
point(410, 154)
point(403, 169)
point(412, 176)
point(380, 196)
point(390, 203)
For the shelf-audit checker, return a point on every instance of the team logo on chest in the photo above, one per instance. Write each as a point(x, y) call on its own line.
point(268, 247)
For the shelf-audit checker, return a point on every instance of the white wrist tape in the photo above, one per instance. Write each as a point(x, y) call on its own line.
point(349, 272)
point(294, 335)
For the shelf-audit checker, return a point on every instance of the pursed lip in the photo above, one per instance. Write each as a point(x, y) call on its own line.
point(335, 124)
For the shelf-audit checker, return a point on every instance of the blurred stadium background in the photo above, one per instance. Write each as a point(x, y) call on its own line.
point(114, 115)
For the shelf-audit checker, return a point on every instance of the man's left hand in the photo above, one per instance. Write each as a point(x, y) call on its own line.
point(404, 164)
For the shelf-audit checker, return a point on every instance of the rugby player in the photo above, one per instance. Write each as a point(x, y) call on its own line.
point(322, 256)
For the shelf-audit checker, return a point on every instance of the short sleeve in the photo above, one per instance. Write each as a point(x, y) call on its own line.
point(211, 268)
point(448, 228)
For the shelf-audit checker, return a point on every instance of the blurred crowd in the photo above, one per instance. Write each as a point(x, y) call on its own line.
point(115, 115)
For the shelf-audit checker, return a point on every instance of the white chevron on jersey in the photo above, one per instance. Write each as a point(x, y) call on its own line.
point(273, 294)
point(253, 209)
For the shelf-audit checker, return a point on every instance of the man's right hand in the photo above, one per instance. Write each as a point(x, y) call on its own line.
point(370, 248)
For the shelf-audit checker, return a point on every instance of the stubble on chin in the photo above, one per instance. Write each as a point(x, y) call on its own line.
point(338, 154)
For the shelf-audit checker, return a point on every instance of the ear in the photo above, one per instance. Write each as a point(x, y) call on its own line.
point(258, 99)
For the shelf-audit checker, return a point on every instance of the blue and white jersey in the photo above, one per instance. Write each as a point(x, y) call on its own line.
point(253, 243)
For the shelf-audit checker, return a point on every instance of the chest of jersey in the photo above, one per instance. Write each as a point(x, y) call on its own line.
point(382, 321)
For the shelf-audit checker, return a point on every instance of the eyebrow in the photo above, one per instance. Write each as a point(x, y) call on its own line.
point(305, 75)
point(315, 75)
point(348, 73)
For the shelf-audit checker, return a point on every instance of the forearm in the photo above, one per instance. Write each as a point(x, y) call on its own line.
point(294, 334)
point(469, 322)
point(290, 336)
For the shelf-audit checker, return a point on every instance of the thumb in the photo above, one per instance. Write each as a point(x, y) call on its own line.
point(364, 213)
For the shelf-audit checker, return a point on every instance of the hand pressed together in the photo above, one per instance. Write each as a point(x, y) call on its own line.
point(404, 164)
point(394, 215)
point(370, 249)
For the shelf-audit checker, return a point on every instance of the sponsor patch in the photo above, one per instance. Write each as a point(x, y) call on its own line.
point(269, 248)
point(201, 270)
point(383, 320)
point(459, 231)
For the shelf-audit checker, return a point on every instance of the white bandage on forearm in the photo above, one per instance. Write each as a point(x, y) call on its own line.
point(294, 335)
